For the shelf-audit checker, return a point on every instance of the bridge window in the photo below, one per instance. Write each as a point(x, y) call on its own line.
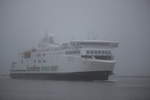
point(103, 52)
point(95, 51)
point(99, 52)
point(92, 52)
point(87, 52)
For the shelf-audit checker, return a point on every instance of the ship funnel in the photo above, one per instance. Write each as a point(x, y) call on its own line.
point(51, 39)
point(48, 39)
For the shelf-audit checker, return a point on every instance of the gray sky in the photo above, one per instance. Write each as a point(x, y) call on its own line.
point(23, 23)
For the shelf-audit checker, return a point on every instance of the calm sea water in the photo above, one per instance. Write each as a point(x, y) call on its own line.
point(120, 88)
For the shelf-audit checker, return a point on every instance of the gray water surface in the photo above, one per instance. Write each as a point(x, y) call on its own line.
point(121, 88)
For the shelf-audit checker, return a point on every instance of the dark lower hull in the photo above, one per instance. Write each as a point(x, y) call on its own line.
point(91, 75)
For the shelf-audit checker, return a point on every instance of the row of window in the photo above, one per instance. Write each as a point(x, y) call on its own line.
point(98, 52)
point(39, 55)
point(104, 57)
point(36, 61)
point(73, 52)
point(51, 68)
point(28, 55)
point(34, 68)
point(40, 61)
point(97, 57)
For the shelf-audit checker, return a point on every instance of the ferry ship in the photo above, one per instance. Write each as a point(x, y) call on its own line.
point(74, 60)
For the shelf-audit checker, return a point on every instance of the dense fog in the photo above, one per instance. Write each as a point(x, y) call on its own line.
point(24, 22)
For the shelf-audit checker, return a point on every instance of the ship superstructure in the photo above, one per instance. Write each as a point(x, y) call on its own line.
point(74, 60)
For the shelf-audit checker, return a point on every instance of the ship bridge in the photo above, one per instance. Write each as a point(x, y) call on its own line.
point(90, 49)
point(94, 43)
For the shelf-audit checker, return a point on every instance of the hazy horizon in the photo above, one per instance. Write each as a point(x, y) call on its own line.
point(23, 23)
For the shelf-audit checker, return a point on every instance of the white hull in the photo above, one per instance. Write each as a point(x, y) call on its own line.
point(74, 69)
point(66, 64)
point(74, 60)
